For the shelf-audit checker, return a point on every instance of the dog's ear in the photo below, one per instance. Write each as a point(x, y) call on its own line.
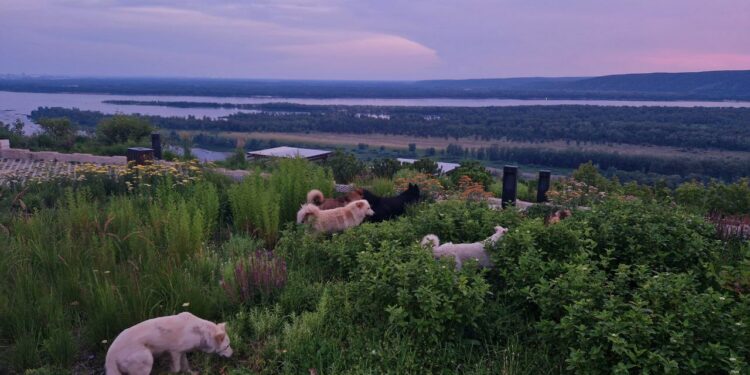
point(360, 205)
point(222, 327)
point(219, 337)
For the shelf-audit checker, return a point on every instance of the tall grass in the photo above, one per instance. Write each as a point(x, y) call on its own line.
point(74, 276)
point(260, 205)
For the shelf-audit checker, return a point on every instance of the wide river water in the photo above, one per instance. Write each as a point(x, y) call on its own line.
point(19, 104)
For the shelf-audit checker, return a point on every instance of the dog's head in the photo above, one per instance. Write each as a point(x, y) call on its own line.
point(501, 230)
point(221, 341)
point(362, 206)
point(411, 193)
point(557, 216)
point(430, 241)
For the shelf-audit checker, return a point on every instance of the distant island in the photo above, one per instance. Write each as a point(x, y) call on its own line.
point(705, 86)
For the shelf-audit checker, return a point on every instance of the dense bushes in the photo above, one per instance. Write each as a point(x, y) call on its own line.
point(628, 286)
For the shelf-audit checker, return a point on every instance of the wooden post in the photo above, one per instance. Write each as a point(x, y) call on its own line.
point(510, 185)
point(543, 186)
point(140, 155)
point(156, 145)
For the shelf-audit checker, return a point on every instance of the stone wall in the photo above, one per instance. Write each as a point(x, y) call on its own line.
point(23, 154)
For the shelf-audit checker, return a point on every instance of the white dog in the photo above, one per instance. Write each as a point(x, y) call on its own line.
point(463, 251)
point(336, 219)
point(133, 351)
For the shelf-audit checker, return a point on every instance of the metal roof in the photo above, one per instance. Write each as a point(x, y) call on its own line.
point(442, 167)
point(289, 152)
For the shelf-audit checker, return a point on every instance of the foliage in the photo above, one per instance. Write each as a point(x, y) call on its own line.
point(256, 277)
point(91, 268)
point(573, 193)
point(630, 285)
point(261, 204)
point(345, 166)
point(123, 129)
point(425, 165)
point(238, 160)
point(429, 185)
point(422, 297)
point(59, 131)
point(470, 190)
point(385, 168)
point(474, 170)
point(624, 288)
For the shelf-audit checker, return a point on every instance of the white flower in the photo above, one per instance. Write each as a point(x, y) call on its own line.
point(722, 298)
point(186, 304)
point(104, 341)
point(732, 359)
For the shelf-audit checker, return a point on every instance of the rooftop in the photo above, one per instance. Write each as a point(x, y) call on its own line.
point(442, 167)
point(289, 152)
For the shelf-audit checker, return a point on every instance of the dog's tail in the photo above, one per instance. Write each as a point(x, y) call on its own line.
point(430, 241)
point(315, 197)
point(110, 367)
point(305, 211)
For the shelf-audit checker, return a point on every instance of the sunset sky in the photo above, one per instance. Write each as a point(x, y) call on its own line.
point(374, 39)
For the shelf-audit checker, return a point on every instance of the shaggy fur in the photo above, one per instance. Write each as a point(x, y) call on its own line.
point(556, 216)
point(463, 251)
point(389, 207)
point(134, 349)
point(316, 197)
point(337, 219)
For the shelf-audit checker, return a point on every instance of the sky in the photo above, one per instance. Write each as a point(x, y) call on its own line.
point(371, 39)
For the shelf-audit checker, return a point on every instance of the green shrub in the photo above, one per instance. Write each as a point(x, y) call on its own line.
point(475, 170)
point(345, 166)
point(122, 129)
point(383, 187)
point(403, 287)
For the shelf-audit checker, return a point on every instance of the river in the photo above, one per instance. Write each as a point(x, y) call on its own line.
point(18, 105)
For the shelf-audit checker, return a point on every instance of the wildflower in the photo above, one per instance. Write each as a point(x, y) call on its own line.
point(106, 272)
point(374, 352)
point(732, 359)
point(722, 298)
point(104, 341)
point(186, 304)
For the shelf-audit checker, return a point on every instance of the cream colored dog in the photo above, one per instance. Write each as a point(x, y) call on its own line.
point(134, 349)
point(336, 219)
point(463, 251)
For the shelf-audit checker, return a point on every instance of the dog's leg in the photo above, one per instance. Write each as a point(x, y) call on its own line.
point(139, 363)
point(185, 365)
point(459, 264)
point(176, 357)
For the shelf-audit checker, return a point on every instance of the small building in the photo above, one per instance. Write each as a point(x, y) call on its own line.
point(289, 152)
point(443, 168)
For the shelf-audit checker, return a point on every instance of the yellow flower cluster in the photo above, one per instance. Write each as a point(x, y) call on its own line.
point(134, 176)
point(570, 192)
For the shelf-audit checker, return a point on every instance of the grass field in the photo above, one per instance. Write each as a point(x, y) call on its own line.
point(398, 141)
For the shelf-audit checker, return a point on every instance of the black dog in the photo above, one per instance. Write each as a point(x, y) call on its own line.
point(389, 207)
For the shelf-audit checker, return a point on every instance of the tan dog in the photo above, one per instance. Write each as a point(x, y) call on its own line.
point(316, 197)
point(134, 349)
point(337, 219)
